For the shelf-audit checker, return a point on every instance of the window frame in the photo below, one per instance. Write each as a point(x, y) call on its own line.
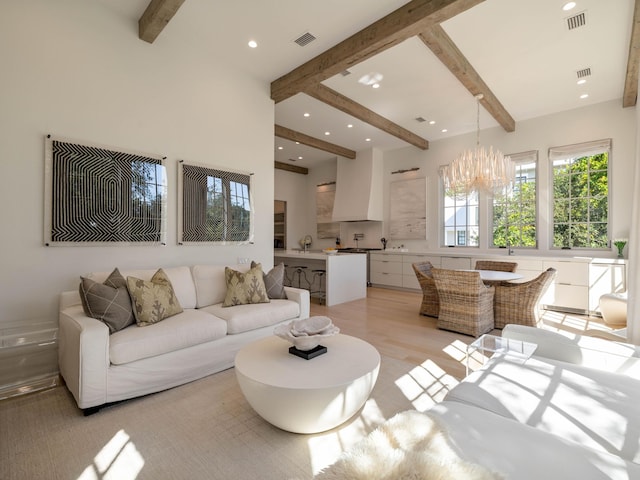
point(520, 158)
point(574, 152)
point(467, 225)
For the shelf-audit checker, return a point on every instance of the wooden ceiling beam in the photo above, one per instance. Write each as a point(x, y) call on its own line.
point(291, 168)
point(156, 17)
point(405, 22)
point(348, 106)
point(630, 96)
point(287, 133)
point(450, 55)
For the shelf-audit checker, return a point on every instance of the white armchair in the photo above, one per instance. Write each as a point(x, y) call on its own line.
point(613, 307)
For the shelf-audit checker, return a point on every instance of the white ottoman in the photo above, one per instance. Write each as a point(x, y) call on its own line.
point(307, 396)
point(613, 307)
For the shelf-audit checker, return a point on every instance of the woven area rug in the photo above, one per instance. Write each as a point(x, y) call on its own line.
point(201, 430)
point(410, 446)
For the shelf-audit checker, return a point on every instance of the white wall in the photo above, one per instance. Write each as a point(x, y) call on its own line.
point(77, 69)
point(605, 120)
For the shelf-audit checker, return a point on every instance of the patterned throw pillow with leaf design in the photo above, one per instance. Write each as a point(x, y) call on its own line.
point(245, 288)
point(153, 300)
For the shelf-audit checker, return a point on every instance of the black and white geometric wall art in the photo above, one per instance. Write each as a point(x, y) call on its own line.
point(96, 195)
point(215, 205)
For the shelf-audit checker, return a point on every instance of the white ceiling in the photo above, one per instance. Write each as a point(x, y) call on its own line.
point(522, 49)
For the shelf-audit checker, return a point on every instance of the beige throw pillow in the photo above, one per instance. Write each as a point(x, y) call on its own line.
point(153, 300)
point(274, 280)
point(245, 288)
point(108, 302)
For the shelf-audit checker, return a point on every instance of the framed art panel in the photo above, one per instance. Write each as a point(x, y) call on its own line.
point(96, 195)
point(408, 207)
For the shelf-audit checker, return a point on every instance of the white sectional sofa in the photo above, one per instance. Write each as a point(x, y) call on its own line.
point(571, 410)
point(100, 368)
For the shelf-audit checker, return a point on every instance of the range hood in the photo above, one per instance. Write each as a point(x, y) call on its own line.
point(359, 188)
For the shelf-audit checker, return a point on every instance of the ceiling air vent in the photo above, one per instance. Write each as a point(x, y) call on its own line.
point(305, 39)
point(585, 72)
point(421, 119)
point(344, 73)
point(578, 20)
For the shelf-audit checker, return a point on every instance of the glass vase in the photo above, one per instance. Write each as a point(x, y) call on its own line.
point(620, 247)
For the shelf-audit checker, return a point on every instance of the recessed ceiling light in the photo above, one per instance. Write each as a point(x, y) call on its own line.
point(584, 95)
point(327, 133)
point(252, 43)
point(306, 114)
point(375, 85)
point(370, 79)
point(582, 81)
point(349, 126)
point(568, 6)
point(280, 148)
point(432, 122)
point(297, 143)
point(299, 158)
point(367, 139)
point(444, 130)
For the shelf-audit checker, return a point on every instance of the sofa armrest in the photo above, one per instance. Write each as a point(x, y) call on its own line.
point(598, 353)
point(301, 297)
point(83, 355)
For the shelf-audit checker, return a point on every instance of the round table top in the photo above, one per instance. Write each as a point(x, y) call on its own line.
point(498, 276)
point(268, 361)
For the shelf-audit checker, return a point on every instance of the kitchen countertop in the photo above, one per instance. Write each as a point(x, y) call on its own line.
point(505, 257)
point(310, 254)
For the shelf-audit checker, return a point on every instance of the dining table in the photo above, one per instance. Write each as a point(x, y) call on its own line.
point(495, 276)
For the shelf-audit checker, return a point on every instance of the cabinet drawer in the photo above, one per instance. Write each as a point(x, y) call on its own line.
point(460, 263)
point(570, 273)
point(409, 259)
point(378, 266)
point(383, 278)
point(411, 281)
point(385, 257)
point(569, 296)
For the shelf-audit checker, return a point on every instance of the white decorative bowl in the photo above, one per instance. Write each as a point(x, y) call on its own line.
point(294, 332)
point(330, 251)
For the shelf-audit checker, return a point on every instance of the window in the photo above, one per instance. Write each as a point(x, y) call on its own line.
point(215, 206)
point(581, 195)
point(97, 195)
point(515, 210)
point(461, 219)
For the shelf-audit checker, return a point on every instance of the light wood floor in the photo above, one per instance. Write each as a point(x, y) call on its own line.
point(389, 320)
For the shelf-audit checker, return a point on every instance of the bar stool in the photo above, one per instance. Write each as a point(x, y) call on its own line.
point(320, 294)
point(300, 271)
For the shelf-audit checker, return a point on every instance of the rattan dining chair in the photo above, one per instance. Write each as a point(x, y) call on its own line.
point(519, 302)
point(466, 303)
point(496, 265)
point(430, 302)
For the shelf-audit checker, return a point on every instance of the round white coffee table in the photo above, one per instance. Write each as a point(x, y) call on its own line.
point(307, 396)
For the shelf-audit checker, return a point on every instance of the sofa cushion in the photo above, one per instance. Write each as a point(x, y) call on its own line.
point(243, 318)
point(595, 408)
point(108, 302)
point(153, 300)
point(274, 280)
point(191, 327)
point(210, 283)
point(180, 278)
point(245, 288)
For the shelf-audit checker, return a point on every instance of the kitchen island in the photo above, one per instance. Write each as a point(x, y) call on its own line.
point(344, 278)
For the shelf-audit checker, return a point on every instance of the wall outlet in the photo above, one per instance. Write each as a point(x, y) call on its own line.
point(243, 260)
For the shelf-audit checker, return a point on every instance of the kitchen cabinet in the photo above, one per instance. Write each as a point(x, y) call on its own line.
point(409, 279)
point(455, 263)
point(279, 224)
point(386, 269)
point(570, 289)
